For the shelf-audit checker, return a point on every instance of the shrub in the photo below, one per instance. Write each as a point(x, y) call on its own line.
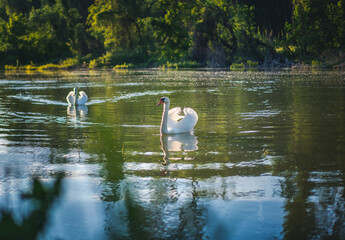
point(237, 66)
point(123, 66)
point(252, 64)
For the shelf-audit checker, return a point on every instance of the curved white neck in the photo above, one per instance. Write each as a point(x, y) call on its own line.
point(164, 122)
point(76, 103)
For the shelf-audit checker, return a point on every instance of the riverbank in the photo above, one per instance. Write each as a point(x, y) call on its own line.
point(328, 60)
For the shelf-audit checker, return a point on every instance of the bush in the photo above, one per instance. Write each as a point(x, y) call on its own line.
point(69, 63)
point(93, 64)
point(252, 64)
point(123, 66)
point(237, 66)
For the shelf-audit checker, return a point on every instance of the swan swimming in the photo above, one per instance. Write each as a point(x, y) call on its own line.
point(73, 100)
point(173, 122)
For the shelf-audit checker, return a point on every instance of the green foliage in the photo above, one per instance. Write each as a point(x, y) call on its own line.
point(64, 64)
point(10, 67)
point(252, 64)
point(211, 32)
point(249, 64)
point(69, 63)
point(49, 66)
point(93, 64)
point(237, 66)
point(123, 66)
point(171, 29)
point(318, 25)
point(168, 65)
point(124, 29)
point(153, 32)
point(45, 30)
point(315, 64)
point(183, 64)
point(188, 64)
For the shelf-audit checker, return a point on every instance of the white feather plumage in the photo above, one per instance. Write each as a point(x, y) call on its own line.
point(172, 120)
point(82, 98)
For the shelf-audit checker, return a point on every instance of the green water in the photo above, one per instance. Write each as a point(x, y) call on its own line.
point(266, 159)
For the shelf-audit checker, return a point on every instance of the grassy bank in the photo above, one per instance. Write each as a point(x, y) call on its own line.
point(328, 60)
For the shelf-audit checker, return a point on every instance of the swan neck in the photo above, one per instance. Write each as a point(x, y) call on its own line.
point(76, 95)
point(164, 123)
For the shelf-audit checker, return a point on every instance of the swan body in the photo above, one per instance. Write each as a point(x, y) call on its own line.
point(73, 98)
point(172, 122)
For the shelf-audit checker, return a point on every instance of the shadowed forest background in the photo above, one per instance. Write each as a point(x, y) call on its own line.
point(190, 33)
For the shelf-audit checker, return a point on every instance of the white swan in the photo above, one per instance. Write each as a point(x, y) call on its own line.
point(173, 122)
point(73, 100)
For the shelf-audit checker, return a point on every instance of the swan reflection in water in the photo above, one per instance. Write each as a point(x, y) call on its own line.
point(75, 111)
point(177, 143)
point(75, 116)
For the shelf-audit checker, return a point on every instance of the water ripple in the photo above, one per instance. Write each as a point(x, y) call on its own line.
point(259, 113)
point(39, 99)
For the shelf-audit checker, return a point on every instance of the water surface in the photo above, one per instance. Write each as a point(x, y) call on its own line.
point(265, 160)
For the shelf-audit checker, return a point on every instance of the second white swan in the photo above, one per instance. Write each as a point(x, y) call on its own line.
point(73, 98)
point(173, 122)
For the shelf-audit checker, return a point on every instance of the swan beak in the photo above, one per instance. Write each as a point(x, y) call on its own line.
point(160, 102)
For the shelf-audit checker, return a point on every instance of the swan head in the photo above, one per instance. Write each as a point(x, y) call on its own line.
point(163, 100)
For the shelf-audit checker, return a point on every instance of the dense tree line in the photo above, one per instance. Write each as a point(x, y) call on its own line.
point(151, 32)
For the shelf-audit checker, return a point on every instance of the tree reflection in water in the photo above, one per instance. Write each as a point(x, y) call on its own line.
point(33, 222)
point(315, 204)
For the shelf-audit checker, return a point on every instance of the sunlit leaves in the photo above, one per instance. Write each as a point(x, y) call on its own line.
point(122, 27)
point(318, 25)
point(46, 30)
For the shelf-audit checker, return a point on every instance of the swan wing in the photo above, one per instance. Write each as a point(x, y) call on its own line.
point(187, 123)
point(190, 119)
point(174, 115)
point(70, 98)
point(82, 98)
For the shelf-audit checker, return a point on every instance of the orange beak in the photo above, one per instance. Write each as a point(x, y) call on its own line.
point(160, 102)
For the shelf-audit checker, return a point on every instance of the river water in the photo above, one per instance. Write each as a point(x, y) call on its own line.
point(266, 159)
